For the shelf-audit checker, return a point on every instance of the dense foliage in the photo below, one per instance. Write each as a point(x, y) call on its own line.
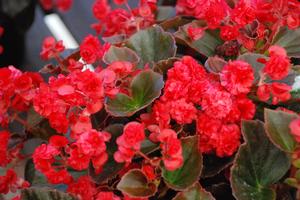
point(197, 100)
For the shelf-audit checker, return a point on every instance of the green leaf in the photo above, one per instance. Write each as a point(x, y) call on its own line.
point(290, 40)
point(175, 22)
point(145, 88)
point(120, 54)
point(258, 165)
point(135, 184)
point(189, 173)
point(194, 193)
point(165, 12)
point(152, 45)
point(44, 194)
point(277, 127)
point(215, 64)
point(148, 147)
point(111, 167)
point(205, 45)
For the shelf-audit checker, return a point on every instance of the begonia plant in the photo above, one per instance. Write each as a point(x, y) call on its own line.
point(186, 100)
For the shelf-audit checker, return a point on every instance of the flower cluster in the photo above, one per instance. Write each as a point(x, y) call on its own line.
point(277, 67)
point(17, 90)
point(53, 159)
point(121, 21)
point(10, 182)
point(247, 22)
point(130, 142)
point(222, 101)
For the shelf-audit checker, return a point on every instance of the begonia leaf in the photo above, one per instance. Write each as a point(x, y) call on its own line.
point(175, 22)
point(213, 165)
point(206, 45)
point(194, 193)
point(145, 88)
point(111, 167)
point(189, 173)
point(44, 194)
point(165, 12)
point(135, 184)
point(152, 45)
point(277, 127)
point(290, 40)
point(120, 54)
point(258, 165)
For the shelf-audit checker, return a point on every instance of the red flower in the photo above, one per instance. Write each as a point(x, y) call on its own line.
point(215, 13)
point(6, 181)
point(229, 33)
point(78, 160)
point(100, 9)
point(182, 112)
point(89, 146)
point(149, 171)
point(107, 196)
point(91, 49)
point(51, 48)
point(64, 5)
point(295, 129)
point(171, 149)
point(246, 108)
point(216, 103)
point(43, 157)
point(129, 142)
point(83, 188)
point(58, 177)
point(264, 92)
point(237, 77)
point(243, 13)
point(277, 67)
point(59, 122)
point(58, 141)
point(195, 33)
point(4, 138)
point(228, 140)
point(280, 92)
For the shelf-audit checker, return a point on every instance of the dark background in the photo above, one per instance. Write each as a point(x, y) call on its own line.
point(78, 20)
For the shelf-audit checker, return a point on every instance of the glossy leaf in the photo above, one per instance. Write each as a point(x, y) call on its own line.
point(194, 193)
point(213, 165)
point(135, 184)
point(120, 54)
point(205, 45)
point(290, 40)
point(163, 66)
point(215, 64)
point(111, 167)
point(152, 45)
point(145, 88)
point(165, 12)
point(277, 127)
point(44, 194)
point(189, 173)
point(258, 165)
